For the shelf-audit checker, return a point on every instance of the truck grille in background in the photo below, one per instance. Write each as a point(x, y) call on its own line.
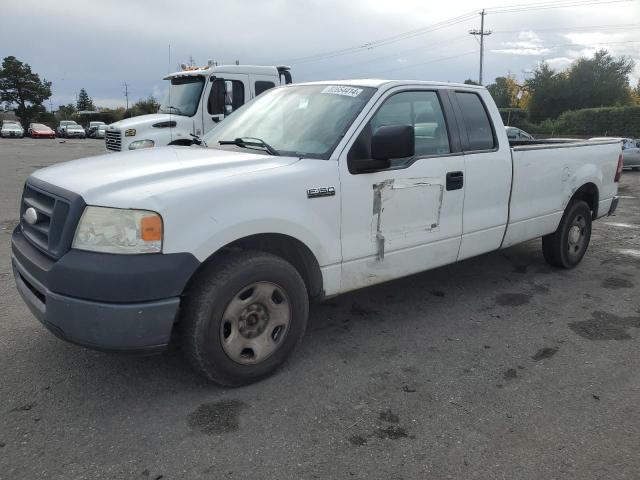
point(113, 140)
point(46, 233)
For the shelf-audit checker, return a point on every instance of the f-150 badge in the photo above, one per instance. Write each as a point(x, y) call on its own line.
point(321, 192)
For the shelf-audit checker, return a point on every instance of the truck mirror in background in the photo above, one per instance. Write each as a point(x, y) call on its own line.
point(228, 96)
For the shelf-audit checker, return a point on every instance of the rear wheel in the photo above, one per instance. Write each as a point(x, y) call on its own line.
point(243, 316)
point(567, 245)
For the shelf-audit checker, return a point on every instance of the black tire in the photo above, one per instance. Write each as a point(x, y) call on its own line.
point(219, 286)
point(565, 247)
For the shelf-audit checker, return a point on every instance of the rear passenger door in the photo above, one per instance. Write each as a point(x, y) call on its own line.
point(487, 165)
point(408, 217)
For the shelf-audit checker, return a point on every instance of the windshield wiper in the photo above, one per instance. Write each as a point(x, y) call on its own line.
point(257, 142)
point(197, 140)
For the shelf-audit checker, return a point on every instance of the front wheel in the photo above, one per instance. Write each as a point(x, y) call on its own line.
point(567, 245)
point(243, 316)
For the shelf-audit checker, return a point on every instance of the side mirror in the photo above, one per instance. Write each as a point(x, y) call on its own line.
point(228, 96)
point(393, 141)
point(388, 141)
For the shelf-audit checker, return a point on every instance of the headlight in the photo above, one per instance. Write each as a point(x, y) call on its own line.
point(130, 132)
point(115, 230)
point(141, 144)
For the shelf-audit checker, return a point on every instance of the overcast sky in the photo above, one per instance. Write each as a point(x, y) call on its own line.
point(99, 45)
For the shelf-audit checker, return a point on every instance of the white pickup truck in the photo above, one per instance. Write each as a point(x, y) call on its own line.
point(308, 191)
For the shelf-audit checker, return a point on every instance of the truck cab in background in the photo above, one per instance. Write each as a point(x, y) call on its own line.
point(196, 100)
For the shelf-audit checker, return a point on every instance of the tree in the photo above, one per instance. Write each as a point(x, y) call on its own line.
point(19, 85)
point(145, 106)
point(468, 81)
point(66, 111)
point(601, 81)
point(504, 91)
point(84, 101)
point(547, 93)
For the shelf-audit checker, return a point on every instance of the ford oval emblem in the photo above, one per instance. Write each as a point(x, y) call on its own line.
point(31, 216)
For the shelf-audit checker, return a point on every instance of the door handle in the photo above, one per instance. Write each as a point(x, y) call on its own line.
point(455, 180)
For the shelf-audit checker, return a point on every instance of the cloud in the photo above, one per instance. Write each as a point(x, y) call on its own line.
point(120, 41)
point(528, 44)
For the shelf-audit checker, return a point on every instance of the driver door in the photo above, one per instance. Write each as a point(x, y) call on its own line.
point(224, 94)
point(408, 217)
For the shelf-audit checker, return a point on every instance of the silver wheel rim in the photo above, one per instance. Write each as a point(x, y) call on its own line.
point(577, 235)
point(255, 323)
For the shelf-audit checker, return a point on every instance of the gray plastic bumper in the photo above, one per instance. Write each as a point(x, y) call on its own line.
point(140, 326)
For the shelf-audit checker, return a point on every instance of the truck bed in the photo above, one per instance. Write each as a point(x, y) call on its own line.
point(546, 174)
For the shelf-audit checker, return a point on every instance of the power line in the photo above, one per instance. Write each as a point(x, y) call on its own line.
point(551, 5)
point(444, 24)
point(384, 41)
point(620, 26)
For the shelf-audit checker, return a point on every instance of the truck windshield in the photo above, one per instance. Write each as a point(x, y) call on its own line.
point(300, 120)
point(183, 96)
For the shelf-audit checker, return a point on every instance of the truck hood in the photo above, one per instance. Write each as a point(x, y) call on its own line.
point(131, 179)
point(146, 121)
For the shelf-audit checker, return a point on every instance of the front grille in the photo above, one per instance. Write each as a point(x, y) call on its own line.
point(51, 232)
point(113, 140)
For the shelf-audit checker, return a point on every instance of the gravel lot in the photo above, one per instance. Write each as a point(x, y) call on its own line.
point(497, 367)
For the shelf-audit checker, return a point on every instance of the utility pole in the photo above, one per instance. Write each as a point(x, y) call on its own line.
point(482, 33)
point(126, 94)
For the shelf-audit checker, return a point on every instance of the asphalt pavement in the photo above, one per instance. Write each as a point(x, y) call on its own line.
point(499, 367)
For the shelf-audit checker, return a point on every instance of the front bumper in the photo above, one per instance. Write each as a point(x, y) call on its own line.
point(104, 306)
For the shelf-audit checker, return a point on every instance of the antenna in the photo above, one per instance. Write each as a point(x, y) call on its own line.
point(126, 94)
point(169, 64)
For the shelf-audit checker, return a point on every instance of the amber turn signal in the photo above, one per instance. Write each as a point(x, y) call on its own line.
point(151, 228)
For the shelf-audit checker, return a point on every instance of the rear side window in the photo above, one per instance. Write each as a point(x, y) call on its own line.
point(476, 121)
point(262, 86)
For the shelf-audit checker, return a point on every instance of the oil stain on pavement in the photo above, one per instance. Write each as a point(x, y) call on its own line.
point(513, 299)
point(605, 326)
point(217, 417)
point(615, 283)
point(546, 352)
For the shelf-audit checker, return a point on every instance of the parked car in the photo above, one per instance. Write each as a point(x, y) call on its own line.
point(74, 131)
point(100, 131)
point(309, 191)
point(92, 127)
point(514, 133)
point(39, 130)
point(60, 131)
point(631, 153)
point(630, 150)
point(11, 129)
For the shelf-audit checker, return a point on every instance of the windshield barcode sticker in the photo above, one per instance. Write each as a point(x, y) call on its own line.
point(342, 90)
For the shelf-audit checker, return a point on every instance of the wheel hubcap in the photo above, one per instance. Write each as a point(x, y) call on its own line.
point(255, 323)
point(577, 234)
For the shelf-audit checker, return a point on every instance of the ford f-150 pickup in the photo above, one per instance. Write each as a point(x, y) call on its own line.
point(305, 192)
